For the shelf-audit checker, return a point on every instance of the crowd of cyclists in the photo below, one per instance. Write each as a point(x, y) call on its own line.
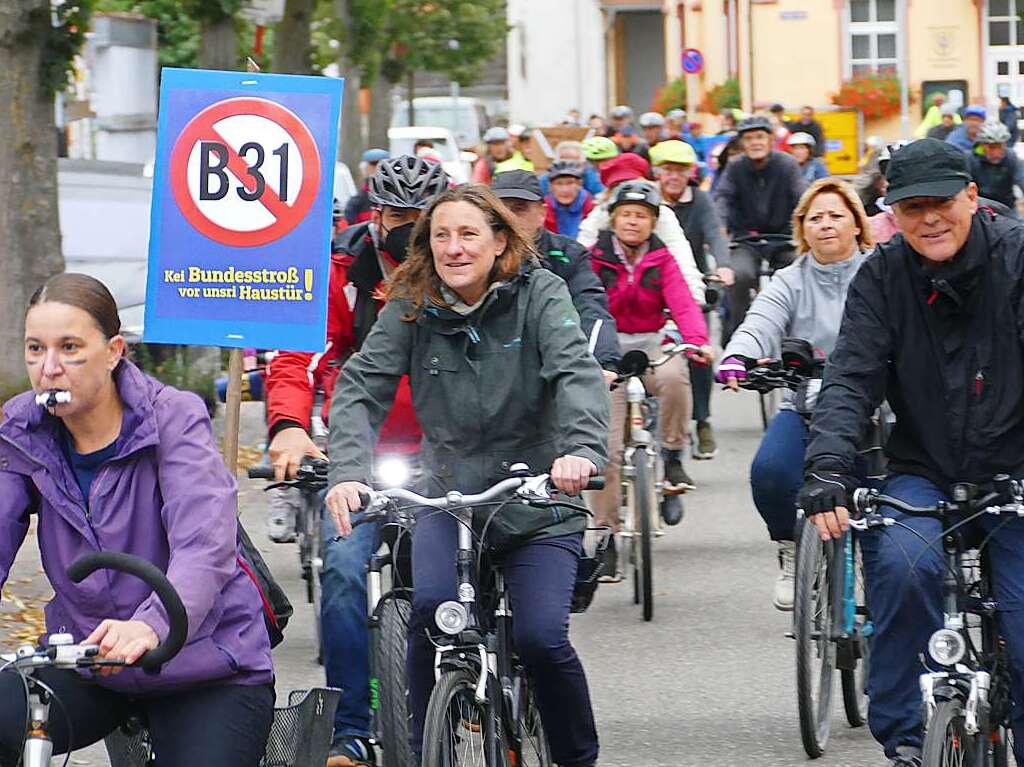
point(473, 326)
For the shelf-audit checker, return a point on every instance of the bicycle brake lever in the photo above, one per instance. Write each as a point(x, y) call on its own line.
point(535, 487)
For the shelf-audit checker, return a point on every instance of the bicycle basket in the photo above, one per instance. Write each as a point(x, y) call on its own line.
point(299, 736)
point(301, 732)
point(590, 568)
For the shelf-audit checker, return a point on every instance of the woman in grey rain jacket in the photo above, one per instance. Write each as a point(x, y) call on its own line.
point(805, 300)
point(500, 373)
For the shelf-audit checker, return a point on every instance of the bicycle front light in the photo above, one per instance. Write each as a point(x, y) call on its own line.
point(451, 617)
point(947, 647)
point(393, 472)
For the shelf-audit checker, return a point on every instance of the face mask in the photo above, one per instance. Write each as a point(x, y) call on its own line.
point(396, 241)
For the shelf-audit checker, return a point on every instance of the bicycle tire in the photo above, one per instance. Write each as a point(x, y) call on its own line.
point(815, 653)
point(854, 683)
point(392, 631)
point(945, 740)
point(316, 568)
point(445, 740)
point(643, 489)
point(533, 749)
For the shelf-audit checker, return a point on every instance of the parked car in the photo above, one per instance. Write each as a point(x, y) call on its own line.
point(465, 117)
point(457, 164)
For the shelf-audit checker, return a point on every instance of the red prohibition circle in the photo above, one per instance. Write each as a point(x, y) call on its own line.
point(201, 127)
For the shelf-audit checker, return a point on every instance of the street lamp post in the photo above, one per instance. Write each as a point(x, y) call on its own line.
point(453, 45)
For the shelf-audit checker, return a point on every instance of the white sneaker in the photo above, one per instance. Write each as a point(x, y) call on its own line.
point(282, 514)
point(786, 582)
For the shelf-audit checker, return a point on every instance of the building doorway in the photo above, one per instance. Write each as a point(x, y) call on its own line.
point(640, 56)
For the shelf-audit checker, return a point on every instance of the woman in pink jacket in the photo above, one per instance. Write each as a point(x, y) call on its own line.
point(642, 280)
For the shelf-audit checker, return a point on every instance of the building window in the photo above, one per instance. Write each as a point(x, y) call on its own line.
point(872, 37)
point(1004, 24)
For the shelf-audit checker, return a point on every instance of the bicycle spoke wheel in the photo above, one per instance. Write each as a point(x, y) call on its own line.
point(1001, 747)
point(815, 652)
point(393, 622)
point(533, 749)
point(946, 742)
point(459, 731)
point(855, 697)
point(643, 490)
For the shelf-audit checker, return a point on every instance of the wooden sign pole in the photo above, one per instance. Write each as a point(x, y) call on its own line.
point(233, 399)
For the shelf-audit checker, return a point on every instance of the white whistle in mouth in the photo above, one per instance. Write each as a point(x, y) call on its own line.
point(53, 398)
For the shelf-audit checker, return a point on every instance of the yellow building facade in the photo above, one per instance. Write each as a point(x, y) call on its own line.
point(799, 52)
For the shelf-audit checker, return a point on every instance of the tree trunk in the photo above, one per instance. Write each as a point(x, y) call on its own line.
point(30, 245)
point(380, 112)
point(218, 45)
point(351, 132)
point(293, 45)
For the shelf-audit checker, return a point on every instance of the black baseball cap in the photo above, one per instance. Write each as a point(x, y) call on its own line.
point(926, 168)
point(517, 185)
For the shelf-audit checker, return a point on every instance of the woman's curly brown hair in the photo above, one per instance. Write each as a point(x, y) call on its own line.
point(417, 281)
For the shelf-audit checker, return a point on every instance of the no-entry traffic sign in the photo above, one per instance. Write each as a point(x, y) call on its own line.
point(240, 224)
point(693, 61)
point(245, 171)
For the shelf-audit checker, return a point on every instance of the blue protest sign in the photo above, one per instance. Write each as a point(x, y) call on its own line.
point(240, 223)
point(693, 61)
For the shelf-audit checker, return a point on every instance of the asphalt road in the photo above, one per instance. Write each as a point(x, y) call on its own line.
point(709, 682)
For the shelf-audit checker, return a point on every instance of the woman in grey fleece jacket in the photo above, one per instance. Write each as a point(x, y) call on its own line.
point(804, 300)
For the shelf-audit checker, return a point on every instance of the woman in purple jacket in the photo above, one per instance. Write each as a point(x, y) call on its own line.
point(124, 463)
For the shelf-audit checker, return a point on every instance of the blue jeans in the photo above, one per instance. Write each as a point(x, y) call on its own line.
point(346, 636)
point(777, 473)
point(540, 576)
point(906, 607)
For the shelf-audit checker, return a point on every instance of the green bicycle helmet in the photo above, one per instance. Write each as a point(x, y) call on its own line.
point(597, 148)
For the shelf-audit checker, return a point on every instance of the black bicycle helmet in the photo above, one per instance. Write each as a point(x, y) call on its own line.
point(636, 193)
point(565, 168)
point(407, 182)
point(754, 122)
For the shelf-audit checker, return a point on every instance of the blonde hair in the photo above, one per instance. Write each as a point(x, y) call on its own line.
point(417, 281)
point(865, 241)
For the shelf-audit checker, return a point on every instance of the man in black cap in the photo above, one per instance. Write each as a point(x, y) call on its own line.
point(521, 193)
point(933, 323)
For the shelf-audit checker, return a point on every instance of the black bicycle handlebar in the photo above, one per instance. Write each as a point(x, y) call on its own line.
point(310, 470)
point(762, 239)
point(152, 576)
point(866, 501)
point(263, 471)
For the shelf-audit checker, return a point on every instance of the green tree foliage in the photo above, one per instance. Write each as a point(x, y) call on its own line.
point(455, 37)
point(177, 30)
point(64, 39)
point(178, 27)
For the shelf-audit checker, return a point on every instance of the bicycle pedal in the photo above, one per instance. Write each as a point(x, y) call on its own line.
point(790, 635)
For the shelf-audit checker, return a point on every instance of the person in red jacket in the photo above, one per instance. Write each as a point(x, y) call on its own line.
point(642, 280)
point(568, 203)
point(366, 253)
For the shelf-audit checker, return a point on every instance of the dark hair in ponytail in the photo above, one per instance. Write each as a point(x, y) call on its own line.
point(85, 293)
